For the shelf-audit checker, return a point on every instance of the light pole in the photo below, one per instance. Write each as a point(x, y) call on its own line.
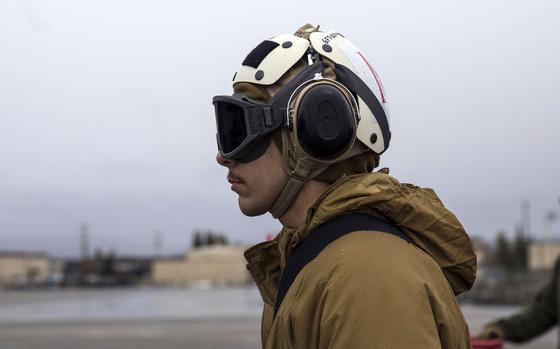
point(549, 218)
point(526, 219)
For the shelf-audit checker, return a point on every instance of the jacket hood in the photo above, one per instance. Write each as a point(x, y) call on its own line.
point(417, 211)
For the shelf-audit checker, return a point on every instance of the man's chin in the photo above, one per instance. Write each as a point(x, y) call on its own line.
point(251, 209)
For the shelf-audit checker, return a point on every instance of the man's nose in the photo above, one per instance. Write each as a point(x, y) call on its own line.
point(224, 162)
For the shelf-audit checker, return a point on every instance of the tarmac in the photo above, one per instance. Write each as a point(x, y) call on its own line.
point(162, 319)
point(136, 334)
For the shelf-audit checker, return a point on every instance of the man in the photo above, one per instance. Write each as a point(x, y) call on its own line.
point(535, 319)
point(300, 136)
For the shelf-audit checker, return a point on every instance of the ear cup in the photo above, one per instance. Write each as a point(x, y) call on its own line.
point(325, 122)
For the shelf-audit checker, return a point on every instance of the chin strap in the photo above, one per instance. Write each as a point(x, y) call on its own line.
point(296, 180)
point(304, 169)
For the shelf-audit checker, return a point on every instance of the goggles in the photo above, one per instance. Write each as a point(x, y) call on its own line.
point(244, 125)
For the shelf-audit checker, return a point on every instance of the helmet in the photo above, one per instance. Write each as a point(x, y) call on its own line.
point(324, 97)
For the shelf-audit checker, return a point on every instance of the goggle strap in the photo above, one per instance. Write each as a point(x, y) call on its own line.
point(274, 117)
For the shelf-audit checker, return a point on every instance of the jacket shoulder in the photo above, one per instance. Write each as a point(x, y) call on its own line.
point(383, 281)
point(380, 255)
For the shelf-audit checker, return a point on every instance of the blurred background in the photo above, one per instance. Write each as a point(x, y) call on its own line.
point(117, 227)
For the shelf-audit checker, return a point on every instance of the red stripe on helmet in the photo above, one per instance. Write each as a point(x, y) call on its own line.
point(377, 79)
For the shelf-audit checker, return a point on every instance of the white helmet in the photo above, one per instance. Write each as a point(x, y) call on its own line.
point(273, 58)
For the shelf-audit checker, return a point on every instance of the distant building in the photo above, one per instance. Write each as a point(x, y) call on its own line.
point(543, 254)
point(23, 268)
point(215, 264)
point(106, 270)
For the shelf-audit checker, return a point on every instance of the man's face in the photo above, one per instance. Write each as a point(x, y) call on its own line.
point(259, 182)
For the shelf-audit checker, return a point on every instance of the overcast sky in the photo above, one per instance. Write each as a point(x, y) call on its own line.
point(106, 115)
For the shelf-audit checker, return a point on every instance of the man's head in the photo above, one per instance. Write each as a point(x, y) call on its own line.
point(305, 107)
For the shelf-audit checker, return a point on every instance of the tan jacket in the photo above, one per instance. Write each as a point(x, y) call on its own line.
point(370, 289)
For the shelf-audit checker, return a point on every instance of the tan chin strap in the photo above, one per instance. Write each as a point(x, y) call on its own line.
point(304, 169)
point(296, 180)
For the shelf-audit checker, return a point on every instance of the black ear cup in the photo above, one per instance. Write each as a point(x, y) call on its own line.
point(326, 125)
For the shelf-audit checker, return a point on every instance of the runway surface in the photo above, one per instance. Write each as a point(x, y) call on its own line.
point(158, 318)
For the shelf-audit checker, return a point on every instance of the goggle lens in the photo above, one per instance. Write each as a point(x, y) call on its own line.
point(232, 129)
